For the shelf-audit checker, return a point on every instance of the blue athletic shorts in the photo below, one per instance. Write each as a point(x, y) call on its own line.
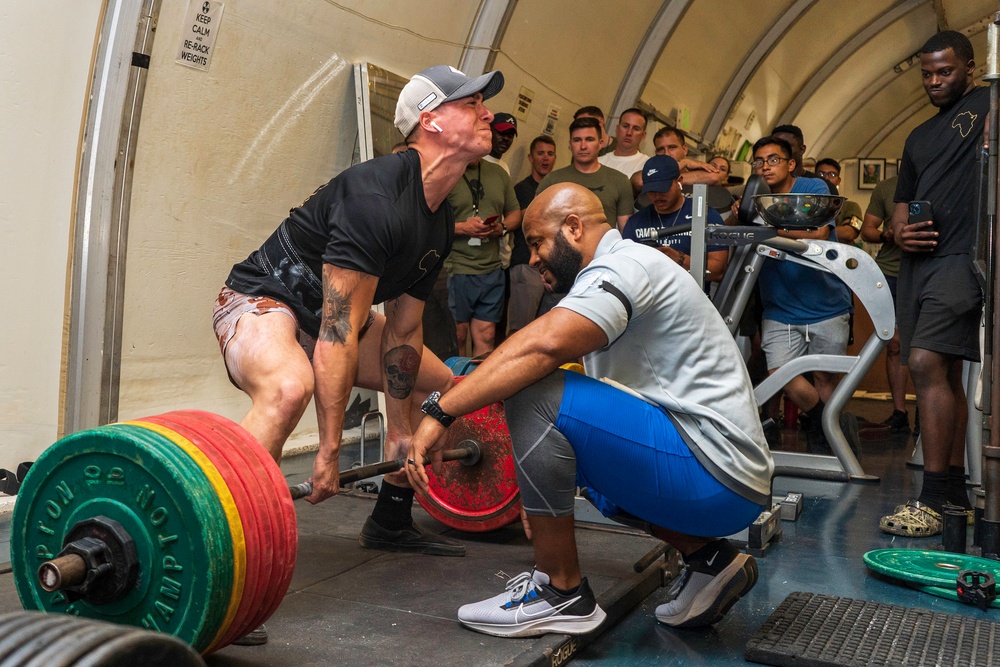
point(629, 452)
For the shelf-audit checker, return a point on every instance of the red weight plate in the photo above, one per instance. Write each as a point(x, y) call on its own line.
point(484, 496)
point(272, 517)
point(286, 533)
point(231, 464)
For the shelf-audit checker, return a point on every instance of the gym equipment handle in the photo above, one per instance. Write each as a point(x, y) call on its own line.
point(467, 450)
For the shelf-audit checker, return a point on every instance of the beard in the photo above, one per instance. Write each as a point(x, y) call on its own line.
point(564, 263)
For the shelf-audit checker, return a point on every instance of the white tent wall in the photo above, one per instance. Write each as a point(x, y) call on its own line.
point(224, 154)
point(40, 130)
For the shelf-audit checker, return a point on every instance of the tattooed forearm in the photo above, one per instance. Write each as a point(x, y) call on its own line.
point(401, 366)
point(336, 324)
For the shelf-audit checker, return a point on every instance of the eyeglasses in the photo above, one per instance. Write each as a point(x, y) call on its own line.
point(773, 161)
point(827, 174)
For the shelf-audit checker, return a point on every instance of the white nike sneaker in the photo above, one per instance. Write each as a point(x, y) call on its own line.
point(529, 606)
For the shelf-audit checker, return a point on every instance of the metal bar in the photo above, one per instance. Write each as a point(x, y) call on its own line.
point(486, 35)
point(468, 450)
point(93, 355)
point(647, 54)
point(699, 216)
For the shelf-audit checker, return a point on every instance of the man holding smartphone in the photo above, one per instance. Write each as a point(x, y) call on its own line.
point(486, 209)
point(940, 301)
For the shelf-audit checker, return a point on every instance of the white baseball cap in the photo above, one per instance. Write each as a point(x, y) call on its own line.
point(436, 85)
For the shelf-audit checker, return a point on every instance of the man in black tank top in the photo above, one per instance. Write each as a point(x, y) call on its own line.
point(940, 301)
point(295, 317)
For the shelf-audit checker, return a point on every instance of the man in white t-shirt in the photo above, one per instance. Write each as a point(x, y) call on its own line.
point(629, 133)
point(668, 437)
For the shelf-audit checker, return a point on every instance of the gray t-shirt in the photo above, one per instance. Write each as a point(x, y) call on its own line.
point(676, 352)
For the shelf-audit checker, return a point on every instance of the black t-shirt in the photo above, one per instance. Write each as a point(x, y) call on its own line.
point(525, 191)
point(372, 218)
point(940, 165)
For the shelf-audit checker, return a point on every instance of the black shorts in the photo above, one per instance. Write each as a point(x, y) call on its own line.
point(939, 306)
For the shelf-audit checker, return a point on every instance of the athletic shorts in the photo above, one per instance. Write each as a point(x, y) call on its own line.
point(784, 342)
point(526, 292)
point(939, 306)
point(626, 450)
point(476, 297)
point(231, 305)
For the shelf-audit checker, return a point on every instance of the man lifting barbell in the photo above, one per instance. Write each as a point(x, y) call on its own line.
point(673, 439)
point(295, 317)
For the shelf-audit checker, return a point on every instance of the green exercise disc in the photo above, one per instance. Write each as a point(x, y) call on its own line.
point(948, 593)
point(928, 568)
point(161, 498)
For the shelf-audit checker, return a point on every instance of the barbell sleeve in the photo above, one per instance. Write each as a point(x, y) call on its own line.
point(468, 450)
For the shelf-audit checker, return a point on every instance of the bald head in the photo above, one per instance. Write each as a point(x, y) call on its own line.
point(551, 208)
point(563, 226)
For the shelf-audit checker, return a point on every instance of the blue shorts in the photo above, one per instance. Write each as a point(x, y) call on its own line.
point(476, 297)
point(630, 452)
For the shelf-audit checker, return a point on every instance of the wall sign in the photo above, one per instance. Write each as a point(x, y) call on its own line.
point(198, 33)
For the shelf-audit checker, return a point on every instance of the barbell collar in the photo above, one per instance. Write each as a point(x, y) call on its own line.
point(467, 450)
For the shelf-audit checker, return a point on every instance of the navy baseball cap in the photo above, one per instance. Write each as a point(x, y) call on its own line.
point(504, 122)
point(659, 173)
point(436, 85)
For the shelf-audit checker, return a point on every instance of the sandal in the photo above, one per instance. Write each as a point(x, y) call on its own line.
point(914, 519)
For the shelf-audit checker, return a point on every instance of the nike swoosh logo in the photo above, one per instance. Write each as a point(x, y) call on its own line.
point(551, 610)
point(712, 559)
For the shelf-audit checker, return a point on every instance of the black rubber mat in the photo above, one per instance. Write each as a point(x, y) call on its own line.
point(814, 630)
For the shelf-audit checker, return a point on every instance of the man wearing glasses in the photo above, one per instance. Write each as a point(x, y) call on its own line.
point(849, 217)
point(805, 311)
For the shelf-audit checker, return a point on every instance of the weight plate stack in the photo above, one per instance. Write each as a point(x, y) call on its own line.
point(274, 497)
point(244, 474)
point(482, 497)
point(222, 486)
point(162, 500)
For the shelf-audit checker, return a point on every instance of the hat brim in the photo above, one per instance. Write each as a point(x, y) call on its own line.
point(488, 84)
point(504, 127)
point(658, 186)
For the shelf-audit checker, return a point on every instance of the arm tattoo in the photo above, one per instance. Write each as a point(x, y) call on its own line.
point(336, 325)
point(401, 366)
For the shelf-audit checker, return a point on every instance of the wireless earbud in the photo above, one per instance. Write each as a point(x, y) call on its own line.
point(436, 126)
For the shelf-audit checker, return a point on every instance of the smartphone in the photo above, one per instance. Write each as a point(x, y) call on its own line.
point(492, 219)
point(920, 211)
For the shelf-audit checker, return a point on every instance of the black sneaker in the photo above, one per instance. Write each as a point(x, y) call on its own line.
point(412, 540)
point(529, 607)
point(701, 599)
point(898, 422)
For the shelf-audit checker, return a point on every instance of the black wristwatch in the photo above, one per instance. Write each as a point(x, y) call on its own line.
point(431, 408)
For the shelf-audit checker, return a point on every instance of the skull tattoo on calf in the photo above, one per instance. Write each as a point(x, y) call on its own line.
point(401, 366)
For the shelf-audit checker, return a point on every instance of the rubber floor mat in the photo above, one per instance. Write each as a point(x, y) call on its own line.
point(809, 629)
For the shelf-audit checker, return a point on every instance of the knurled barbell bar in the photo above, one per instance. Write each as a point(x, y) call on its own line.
point(157, 523)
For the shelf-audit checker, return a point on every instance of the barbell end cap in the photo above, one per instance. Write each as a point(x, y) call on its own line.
point(475, 452)
point(68, 570)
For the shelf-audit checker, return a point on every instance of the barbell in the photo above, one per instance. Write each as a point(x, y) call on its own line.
point(182, 523)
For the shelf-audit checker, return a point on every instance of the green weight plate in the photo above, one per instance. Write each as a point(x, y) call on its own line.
point(929, 568)
point(161, 498)
point(240, 477)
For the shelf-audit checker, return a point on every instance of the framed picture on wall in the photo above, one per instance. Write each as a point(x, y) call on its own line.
point(870, 172)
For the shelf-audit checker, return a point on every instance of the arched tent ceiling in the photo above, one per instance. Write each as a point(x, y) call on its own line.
point(728, 72)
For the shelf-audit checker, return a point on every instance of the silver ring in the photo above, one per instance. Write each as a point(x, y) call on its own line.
point(411, 462)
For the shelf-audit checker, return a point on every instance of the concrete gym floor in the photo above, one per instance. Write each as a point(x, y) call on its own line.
point(351, 606)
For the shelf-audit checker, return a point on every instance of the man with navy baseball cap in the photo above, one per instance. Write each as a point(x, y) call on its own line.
point(670, 208)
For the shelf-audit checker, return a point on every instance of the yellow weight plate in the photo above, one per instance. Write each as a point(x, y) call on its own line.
point(232, 514)
point(575, 367)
